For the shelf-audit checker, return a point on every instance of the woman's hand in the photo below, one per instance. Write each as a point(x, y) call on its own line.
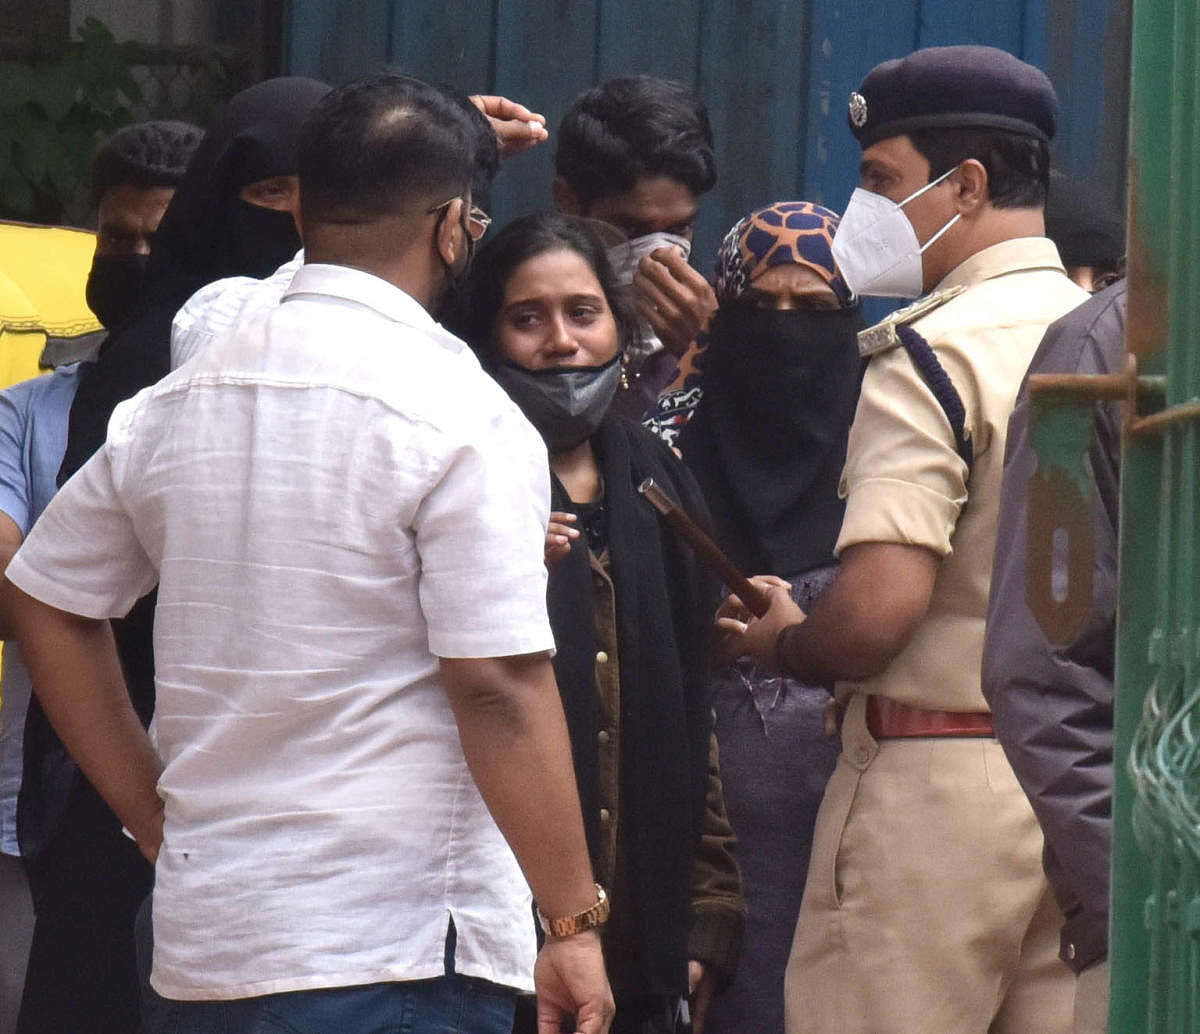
point(740, 633)
point(559, 535)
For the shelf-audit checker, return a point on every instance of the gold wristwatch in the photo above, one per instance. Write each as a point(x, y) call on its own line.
point(591, 917)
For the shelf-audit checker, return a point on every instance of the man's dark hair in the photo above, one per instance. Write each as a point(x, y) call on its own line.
point(379, 144)
point(145, 155)
point(487, 151)
point(630, 128)
point(475, 309)
point(1017, 165)
point(487, 155)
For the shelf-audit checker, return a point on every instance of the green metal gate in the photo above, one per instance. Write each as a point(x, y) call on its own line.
point(1155, 926)
point(1155, 931)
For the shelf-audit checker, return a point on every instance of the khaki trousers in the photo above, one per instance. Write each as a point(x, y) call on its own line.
point(926, 909)
point(1091, 1000)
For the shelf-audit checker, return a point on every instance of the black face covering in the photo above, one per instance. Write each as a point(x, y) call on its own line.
point(768, 439)
point(114, 286)
point(208, 231)
point(258, 237)
point(565, 404)
point(791, 368)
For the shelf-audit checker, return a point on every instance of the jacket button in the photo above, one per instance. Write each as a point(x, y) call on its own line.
point(603, 736)
point(862, 755)
point(1071, 951)
point(601, 657)
point(604, 815)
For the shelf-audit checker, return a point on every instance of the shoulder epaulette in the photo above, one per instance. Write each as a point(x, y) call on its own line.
point(882, 336)
point(935, 375)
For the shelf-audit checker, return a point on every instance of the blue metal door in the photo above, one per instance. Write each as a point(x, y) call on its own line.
point(775, 74)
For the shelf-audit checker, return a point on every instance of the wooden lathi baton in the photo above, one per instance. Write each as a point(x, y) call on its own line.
point(708, 551)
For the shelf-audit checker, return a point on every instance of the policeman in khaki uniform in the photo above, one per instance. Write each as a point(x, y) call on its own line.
point(926, 909)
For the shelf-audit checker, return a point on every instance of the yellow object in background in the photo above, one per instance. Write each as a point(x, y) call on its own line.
point(43, 274)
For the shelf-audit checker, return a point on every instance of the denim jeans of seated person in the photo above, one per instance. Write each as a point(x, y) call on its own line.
point(452, 1004)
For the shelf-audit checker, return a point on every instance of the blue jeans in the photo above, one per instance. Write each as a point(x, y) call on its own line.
point(452, 1004)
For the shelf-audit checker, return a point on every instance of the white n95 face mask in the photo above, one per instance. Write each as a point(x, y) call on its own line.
point(876, 248)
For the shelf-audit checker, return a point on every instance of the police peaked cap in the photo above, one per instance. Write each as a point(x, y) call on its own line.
point(952, 87)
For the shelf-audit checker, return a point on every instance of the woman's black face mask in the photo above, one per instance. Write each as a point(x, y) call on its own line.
point(765, 342)
point(261, 239)
point(791, 367)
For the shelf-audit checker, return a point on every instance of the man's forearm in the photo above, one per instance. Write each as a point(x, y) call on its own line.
point(77, 677)
point(865, 618)
point(514, 737)
point(836, 643)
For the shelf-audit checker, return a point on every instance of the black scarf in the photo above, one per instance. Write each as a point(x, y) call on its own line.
point(768, 439)
point(665, 603)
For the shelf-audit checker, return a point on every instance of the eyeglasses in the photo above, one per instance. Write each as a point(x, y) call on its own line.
point(477, 219)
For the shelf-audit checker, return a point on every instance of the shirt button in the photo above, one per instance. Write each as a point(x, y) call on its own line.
point(862, 755)
point(604, 736)
point(601, 657)
point(604, 815)
point(1070, 951)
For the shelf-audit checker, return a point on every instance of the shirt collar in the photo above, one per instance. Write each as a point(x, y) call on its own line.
point(356, 285)
point(1018, 255)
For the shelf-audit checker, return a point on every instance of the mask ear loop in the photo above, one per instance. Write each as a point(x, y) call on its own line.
point(921, 190)
point(929, 186)
point(934, 239)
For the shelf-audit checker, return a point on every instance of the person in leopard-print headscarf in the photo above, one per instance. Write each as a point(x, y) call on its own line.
point(761, 410)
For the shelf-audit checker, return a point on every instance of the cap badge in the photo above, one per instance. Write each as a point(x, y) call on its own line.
point(858, 110)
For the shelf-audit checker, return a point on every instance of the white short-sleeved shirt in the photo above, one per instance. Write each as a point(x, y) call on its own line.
point(221, 306)
point(330, 498)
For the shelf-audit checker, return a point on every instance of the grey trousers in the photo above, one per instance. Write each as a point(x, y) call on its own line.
point(16, 921)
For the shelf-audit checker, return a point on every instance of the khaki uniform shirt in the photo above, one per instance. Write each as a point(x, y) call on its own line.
point(905, 482)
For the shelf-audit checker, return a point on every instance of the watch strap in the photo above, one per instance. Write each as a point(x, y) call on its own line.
point(591, 917)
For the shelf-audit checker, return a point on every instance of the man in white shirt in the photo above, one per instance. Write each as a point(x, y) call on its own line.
point(345, 518)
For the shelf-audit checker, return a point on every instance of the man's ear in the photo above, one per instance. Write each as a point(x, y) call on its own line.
point(970, 181)
point(451, 238)
point(565, 198)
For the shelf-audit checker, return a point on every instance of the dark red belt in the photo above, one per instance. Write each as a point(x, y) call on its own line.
point(888, 719)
